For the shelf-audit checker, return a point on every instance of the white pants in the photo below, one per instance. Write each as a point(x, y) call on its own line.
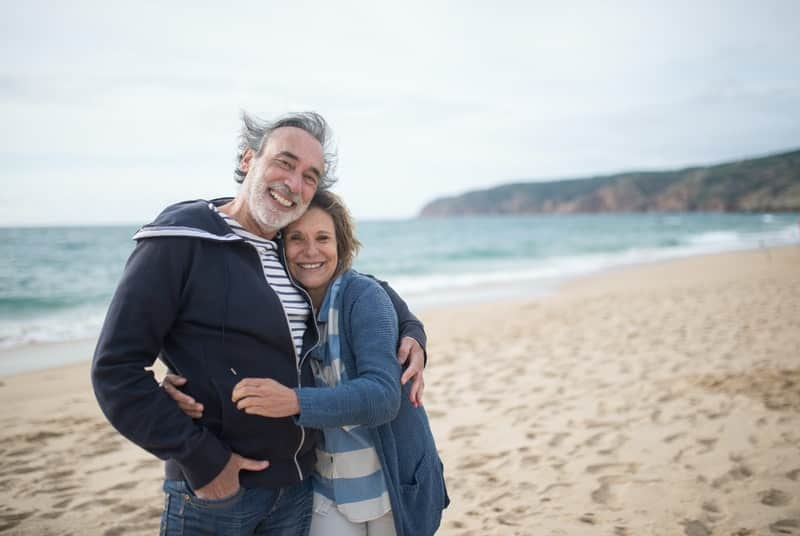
point(329, 521)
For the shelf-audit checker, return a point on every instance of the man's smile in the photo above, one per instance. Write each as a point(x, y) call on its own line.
point(280, 199)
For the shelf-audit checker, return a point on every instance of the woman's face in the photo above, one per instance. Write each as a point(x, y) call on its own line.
point(311, 250)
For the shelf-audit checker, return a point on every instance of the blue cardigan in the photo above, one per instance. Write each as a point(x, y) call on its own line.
point(401, 433)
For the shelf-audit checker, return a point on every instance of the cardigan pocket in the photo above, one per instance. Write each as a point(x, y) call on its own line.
point(423, 499)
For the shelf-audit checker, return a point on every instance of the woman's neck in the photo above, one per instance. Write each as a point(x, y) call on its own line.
point(317, 297)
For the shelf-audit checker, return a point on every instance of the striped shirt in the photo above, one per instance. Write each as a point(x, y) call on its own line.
point(348, 470)
point(294, 303)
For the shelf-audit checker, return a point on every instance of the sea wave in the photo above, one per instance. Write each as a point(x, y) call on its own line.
point(424, 283)
point(542, 275)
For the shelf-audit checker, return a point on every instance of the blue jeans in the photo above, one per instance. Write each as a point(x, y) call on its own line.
point(256, 511)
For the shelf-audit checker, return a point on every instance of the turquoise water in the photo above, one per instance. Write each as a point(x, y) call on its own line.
point(55, 283)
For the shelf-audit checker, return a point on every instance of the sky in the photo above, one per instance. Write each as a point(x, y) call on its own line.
point(112, 110)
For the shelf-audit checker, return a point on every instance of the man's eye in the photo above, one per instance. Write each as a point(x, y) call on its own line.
point(310, 179)
point(284, 163)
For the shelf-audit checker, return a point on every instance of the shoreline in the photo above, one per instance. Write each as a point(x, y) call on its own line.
point(44, 355)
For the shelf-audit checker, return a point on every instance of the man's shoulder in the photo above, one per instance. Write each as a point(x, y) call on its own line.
point(196, 218)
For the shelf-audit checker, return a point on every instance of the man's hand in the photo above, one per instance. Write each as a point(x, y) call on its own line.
point(189, 405)
point(412, 356)
point(265, 397)
point(226, 483)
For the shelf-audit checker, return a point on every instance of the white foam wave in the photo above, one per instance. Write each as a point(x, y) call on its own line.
point(538, 276)
point(76, 324)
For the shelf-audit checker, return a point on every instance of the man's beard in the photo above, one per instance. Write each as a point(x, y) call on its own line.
point(270, 219)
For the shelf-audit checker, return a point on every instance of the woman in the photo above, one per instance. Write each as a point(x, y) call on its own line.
point(377, 469)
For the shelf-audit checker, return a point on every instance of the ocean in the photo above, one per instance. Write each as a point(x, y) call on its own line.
point(56, 282)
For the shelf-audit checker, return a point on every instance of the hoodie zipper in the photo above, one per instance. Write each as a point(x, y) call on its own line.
point(297, 359)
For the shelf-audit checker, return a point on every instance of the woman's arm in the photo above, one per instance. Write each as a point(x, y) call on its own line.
point(373, 396)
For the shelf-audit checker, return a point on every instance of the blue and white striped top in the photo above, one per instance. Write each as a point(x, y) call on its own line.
point(294, 303)
point(348, 470)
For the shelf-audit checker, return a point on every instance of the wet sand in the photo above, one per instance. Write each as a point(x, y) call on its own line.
point(660, 399)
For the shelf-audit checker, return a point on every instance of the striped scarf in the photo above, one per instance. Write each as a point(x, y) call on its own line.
point(348, 471)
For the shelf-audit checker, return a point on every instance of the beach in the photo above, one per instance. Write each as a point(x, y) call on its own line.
point(657, 399)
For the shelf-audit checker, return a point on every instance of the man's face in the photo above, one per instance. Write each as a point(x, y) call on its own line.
point(281, 181)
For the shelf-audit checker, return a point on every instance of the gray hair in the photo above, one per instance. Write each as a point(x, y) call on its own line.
point(256, 131)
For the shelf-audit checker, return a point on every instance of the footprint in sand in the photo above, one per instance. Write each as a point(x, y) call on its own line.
point(558, 439)
point(58, 475)
point(124, 508)
point(774, 497)
point(52, 515)
point(786, 526)
point(695, 528)
point(707, 443)
point(63, 504)
point(794, 475)
point(602, 495)
point(738, 472)
point(101, 502)
point(530, 460)
point(11, 519)
point(122, 486)
point(460, 432)
point(472, 462)
point(605, 467)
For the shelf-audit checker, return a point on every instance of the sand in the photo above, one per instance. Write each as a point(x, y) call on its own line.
point(660, 399)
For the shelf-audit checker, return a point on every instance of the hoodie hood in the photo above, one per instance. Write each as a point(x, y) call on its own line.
point(194, 219)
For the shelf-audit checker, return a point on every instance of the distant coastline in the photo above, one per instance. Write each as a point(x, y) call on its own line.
point(766, 184)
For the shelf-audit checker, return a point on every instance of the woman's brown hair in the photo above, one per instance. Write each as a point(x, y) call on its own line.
point(347, 245)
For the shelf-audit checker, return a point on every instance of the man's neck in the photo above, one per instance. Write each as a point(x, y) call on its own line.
point(237, 209)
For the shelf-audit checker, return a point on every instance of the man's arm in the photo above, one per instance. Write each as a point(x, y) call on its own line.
point(141, 313)
point(408, 324)
point(411, 349)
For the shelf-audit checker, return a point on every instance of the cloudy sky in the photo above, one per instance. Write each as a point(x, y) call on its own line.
point(110, 110)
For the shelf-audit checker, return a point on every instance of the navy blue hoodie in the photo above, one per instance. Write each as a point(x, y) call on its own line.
point(194, 294)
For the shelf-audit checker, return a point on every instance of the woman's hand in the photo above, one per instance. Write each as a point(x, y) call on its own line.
point(265, 397)
point(412, 357)
point(188, 405)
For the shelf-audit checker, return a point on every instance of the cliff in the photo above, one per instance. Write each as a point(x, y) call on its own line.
point(767, 184)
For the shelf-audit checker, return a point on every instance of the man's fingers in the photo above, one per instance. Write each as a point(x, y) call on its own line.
point(178, 396)
point(416, 391)
point(252, 465)
point(252, 387)
point(192, 409)
point(173, 379)
point(409, 373)
point(416, 360)
point(405, 348)
point(242, 392)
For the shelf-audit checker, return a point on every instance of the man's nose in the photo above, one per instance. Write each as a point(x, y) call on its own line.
point(294, 181)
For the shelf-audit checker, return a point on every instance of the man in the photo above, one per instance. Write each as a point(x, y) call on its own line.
point(206, 290)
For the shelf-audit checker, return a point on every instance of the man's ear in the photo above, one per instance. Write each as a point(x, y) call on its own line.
point(246, 160)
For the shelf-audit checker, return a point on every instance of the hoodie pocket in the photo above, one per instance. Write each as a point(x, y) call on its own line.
point(254, 436)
